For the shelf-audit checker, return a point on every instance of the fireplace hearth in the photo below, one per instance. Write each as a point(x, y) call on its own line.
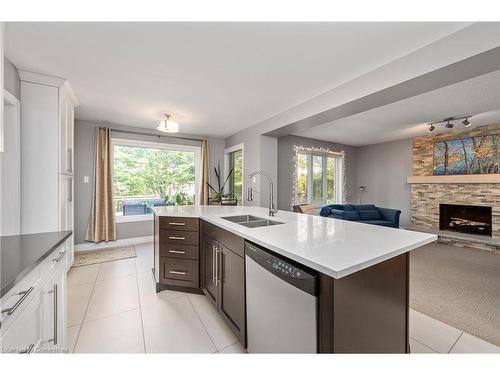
point(465, 219)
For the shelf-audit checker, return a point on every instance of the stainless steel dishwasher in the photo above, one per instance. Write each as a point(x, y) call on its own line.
point(281, 303)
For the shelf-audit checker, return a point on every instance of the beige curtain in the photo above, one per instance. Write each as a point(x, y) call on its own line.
point(205, 173)
point(102, 218)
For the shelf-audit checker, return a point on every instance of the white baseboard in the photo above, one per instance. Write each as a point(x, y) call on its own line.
point(104, 245)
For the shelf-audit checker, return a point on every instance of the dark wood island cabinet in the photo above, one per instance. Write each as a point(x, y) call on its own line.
point(177, 253)
point(365, 311)
point(223, 275)
point(192, 255)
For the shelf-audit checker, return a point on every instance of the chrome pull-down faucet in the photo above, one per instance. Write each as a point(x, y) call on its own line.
point(272, 210)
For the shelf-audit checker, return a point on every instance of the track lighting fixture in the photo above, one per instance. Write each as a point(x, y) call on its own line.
point(448, 123)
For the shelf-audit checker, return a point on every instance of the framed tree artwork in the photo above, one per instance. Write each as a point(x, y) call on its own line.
point(472, 155)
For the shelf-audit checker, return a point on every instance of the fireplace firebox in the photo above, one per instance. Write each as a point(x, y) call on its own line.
point(465, 219)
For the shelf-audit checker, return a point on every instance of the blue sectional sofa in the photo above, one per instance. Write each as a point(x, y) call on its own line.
point(363, 213)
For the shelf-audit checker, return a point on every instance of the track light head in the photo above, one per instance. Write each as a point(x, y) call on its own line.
point(431, 128)
point(466, 122)
point(449, 125)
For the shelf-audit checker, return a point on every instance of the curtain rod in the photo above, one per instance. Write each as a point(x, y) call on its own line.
point(155, 135)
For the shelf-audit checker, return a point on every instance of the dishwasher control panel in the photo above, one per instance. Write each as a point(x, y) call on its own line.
point(284, 268)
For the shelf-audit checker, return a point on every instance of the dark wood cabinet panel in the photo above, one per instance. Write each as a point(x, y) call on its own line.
point(223, 276)
point(176, 254)
point(232, 290)
point(181, 269)
point(224, 237)
point(367, 311)
point(209, 253)
point(180, 223)
point(179, 237)
point(179, 251)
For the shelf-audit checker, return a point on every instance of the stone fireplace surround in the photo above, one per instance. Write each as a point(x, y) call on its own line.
point(426, 197)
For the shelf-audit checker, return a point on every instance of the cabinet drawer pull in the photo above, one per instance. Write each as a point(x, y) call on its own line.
point(176, 238)
point(61, 254)
point(217, 254)
point(177, 224)
point(24, 294)
point(213, 264)
point(54, 340)
point(28, 350)
point(178, 273)
point(177, 252)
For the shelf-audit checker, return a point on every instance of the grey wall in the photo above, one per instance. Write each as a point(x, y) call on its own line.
point(84, 162)
point(285, 166)
point(12, 83)
point(382, 169)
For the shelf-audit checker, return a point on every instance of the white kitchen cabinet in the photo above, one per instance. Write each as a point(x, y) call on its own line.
point(38, 322)
point(66, 214)
point(54, 312)
point(47, 142)
point(25, 334)
point(2, 32)
point(66, 134)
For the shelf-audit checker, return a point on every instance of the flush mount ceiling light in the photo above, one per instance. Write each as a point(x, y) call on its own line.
point(168, 126)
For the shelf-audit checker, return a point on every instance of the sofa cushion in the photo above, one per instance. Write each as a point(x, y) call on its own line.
point(348, 207)
point(325, 211)
point(369, 215)
point(351, 215)
point(334, 211)
point(362, 207)
point(383, 223)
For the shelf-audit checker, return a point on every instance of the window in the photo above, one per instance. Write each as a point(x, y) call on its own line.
point(318, 176)
point(149, 174)
point(234, 161)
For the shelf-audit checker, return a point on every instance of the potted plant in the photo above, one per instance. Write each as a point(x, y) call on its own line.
point(219, 197)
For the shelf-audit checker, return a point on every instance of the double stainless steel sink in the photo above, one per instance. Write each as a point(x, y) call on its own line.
point(250, 221)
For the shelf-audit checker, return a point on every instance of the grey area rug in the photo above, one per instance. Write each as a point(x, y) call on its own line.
point(85, 258)
point(458, 286)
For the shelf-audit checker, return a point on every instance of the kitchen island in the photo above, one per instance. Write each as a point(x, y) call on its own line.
point(362, 269)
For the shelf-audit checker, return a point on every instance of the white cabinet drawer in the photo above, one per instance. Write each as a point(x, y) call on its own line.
point(24, 334)
point(18, 298)
point(13, 303)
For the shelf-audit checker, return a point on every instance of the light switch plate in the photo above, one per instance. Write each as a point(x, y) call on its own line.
point(85, 179)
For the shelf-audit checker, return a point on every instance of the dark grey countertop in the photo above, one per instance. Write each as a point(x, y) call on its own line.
point(20, 254)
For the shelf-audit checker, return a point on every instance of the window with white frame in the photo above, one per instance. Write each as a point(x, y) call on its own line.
point(319, 176)
point(234, 165)
point(149, 174)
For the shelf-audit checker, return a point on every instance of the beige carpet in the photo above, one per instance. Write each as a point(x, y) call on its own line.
point(85, 258)
point(458, 286)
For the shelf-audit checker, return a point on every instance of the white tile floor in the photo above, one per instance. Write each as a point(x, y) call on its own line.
point(113, 308)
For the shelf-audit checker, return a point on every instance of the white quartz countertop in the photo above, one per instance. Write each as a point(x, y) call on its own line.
point(334, 247)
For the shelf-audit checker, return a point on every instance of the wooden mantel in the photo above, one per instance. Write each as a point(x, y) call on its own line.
point(455, 179)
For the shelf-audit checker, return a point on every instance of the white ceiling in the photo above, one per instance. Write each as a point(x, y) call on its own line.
point(215, 78)
point(408, 118)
